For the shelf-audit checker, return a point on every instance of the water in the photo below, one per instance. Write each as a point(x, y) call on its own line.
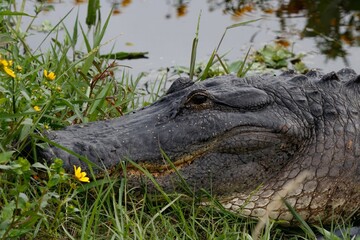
point(328, 32)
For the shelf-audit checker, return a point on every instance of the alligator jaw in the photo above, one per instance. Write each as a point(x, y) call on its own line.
point(217, 144)
point(198, 163)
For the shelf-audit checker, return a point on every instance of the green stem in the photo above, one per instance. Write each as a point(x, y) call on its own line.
point(13, 95)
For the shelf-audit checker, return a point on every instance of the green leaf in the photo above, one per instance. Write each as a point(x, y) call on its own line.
point(302, 222)
point(10, 167)
point(86, 40)
point(16, 115)
point(5, 38)
point(45, 199)
point(242, 23)
point(73, 107)
point(89, 61)
point(11, 13)
point(206, 71)
point(93, 7)
point(300, 67)
point(194, 49)
point(54, 180)
point(57, 165)
point(100, 98)
point(99, 35)
point(39, 165)
point(23, 200)
point(329, 235)
point(241, 72)
point(5, 156)
point(75, 32)
point(125, 55)
point(6, 214)
point(24, 164)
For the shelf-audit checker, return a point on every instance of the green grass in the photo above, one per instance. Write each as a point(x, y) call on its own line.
point(43, 202)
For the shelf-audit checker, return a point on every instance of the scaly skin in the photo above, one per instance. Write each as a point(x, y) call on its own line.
point(242, 138)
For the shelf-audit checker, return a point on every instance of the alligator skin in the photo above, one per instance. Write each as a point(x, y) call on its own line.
point(244, 139)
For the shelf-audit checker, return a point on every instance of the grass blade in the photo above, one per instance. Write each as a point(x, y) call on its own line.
point(194, 49)
point(205, 73)
point(11, 13)
point(52, 30)
point(234, 26)
point(242, 23)
point(241, 71)
point(223, 64)
point(303, 224)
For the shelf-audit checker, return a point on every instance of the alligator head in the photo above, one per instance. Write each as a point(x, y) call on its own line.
point(233, 135)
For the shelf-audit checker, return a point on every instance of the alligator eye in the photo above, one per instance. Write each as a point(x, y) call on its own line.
point(198, 100)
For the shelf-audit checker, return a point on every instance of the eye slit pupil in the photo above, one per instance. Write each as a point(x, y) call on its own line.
point(198, 99)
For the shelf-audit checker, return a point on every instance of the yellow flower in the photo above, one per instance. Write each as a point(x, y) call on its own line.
point(49, 75)
point(9, 72)
point(37, 108)
point(80, 176)
point(5, 64)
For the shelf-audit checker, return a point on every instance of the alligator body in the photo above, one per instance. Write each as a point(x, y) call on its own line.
point(243, 139)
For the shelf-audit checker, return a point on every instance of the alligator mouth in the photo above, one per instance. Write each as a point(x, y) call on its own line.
point(160, 170)
point(246, 146)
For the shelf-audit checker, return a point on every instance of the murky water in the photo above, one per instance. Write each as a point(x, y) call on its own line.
point(328, 32)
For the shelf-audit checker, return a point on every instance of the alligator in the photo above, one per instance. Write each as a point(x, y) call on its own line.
point(242, 139)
